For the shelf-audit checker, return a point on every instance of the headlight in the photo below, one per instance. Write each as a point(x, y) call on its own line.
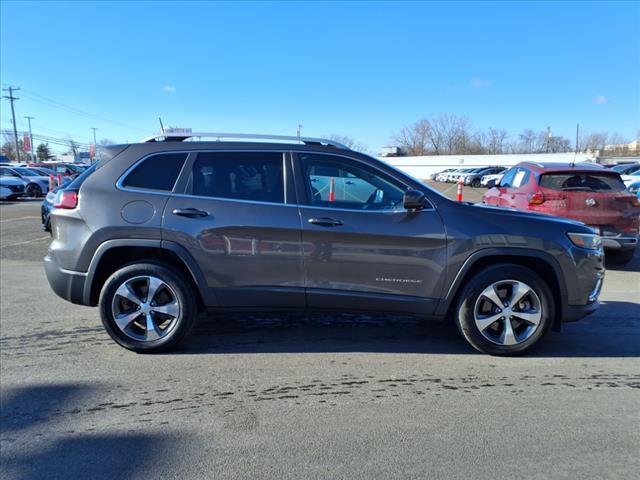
point(590, 241)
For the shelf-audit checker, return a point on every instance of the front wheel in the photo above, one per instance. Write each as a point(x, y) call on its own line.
point(475, 183)
point(505, 310)
point(145, 307)
point(33, 190)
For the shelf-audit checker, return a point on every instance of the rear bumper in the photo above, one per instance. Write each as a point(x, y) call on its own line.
point(66, 284)
point(619, 243)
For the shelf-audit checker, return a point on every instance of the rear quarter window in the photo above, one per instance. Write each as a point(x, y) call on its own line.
point(590, 182)
point(157, 172)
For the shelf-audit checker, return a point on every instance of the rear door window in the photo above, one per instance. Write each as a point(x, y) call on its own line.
point(250, 176)
point(157, 172)
point(521, 178)
point(586, 182)
point(507, 180)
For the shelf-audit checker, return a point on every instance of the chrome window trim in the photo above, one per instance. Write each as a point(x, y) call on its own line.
point(172, 193)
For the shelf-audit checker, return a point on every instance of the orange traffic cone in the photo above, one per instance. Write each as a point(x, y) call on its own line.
point(332, 186)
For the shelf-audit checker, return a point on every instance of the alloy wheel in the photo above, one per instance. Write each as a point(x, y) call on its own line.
point(507, 312)
point(146, 308)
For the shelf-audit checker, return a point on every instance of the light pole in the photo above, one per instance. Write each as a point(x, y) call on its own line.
point(33, 153)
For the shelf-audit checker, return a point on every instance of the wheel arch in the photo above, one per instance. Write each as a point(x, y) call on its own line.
point(114, 254)
point(541, 263)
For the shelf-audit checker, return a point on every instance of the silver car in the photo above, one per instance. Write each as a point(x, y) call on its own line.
point(36, 184)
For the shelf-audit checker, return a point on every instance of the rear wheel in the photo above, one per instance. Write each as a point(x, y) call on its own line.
point(475, 183)
point(146, 307)
point(619, 257)
point(505, 310)
point(33, 190)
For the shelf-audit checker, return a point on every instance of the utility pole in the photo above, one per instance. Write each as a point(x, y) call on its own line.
point(33, 154)
point(548, 138)
point(299, 130)
point(11, 98)
point(577, 133)
point(95, 145)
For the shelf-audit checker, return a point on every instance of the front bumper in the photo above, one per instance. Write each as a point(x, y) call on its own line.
point(66, 284)
point(573, 313)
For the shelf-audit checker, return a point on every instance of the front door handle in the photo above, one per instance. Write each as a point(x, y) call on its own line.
point(190, 212)
point(326, 222)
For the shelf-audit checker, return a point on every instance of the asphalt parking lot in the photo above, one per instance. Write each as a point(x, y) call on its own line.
point(307, 396)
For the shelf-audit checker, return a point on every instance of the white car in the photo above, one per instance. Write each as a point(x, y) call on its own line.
point(37, 185)
point(491, 178)
point(11, 187)
point(629, 179)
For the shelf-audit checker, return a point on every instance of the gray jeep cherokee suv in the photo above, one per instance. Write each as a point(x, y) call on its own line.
point(158, 231)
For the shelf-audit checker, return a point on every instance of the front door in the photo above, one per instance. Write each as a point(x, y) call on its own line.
point(242, 228)
point(361, 248)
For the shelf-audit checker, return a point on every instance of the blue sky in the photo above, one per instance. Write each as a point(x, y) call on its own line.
point(359, 69)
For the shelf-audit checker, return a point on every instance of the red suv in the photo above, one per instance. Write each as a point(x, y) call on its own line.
point(585, 192)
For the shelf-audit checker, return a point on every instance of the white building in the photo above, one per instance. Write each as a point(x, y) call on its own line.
point(422, 167)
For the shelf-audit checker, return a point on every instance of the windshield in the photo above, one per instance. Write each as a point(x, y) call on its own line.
point(586, 182)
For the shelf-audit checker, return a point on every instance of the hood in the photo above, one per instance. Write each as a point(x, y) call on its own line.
point(512, 212)
point(11, 181)
point(36, 178)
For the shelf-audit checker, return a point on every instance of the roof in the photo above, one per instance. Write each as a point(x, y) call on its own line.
point(564, 167)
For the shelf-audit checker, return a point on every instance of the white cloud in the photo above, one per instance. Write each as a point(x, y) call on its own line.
point(600, 100)
point(169, 89)
point(480, 83)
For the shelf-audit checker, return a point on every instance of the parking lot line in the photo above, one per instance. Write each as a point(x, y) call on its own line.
point(26, 241)
point(19, 218)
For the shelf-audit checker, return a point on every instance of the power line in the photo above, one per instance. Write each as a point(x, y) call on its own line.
point(53, 103)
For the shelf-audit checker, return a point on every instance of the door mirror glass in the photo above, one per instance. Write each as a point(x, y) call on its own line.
point(414, 200)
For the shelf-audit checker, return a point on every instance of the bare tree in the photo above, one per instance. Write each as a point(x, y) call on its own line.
point(348, 141)
point(73, 147)
point(414, 139)
point(105, 142)
point(442, 135)
point(496, 141)
point(593, 141)
point(617, 139)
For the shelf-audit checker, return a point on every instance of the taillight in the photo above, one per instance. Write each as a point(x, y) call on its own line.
point(536, 198)
point(66, 199)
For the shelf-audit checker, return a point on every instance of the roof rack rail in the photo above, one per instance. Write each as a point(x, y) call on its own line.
point(181, 136)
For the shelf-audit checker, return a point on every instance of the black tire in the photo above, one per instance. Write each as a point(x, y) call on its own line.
point(475, 183)
point(465, 308)
point(177, 284)
point(33, 190)
point(618, 257)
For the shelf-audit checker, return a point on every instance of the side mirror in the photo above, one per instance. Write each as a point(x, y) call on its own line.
point(414, 200)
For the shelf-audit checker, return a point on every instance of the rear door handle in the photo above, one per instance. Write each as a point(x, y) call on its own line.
point(190, 212)
point(326, 222)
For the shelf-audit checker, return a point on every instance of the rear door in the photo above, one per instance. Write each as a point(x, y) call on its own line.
point(361, 248)
point(520, 189)
point(239, 220)
point(497, 195)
